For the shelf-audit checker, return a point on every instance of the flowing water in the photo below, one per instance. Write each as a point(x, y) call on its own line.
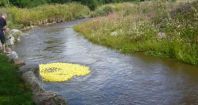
point(115, 79)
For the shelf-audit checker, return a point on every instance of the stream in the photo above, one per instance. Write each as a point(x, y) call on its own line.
point(115, 78)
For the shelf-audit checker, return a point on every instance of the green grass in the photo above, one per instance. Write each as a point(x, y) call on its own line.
point(137, 30)
point(43, 14)
point(12, 89)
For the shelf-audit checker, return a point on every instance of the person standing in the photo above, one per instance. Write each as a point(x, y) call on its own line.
point(3, 28)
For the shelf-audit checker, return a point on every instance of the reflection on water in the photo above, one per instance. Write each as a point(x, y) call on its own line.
point(115, 79)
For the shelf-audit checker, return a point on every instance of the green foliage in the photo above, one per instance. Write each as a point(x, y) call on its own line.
point(12, 89)
point(4, 2)
point(92, 4)
point(102, 11)
point(160, 28)
point(122, 8)
point(44, 14)
point(27, 3)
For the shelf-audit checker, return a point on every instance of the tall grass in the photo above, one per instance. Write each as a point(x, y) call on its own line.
point(43, 14)
point(123, 8)
point(158, 28)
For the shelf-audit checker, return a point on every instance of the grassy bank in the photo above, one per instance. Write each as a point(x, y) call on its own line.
point(23, 17)
point(160, 28)
point(12, 89)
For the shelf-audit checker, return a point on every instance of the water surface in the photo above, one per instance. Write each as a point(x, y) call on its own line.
point(115, 79)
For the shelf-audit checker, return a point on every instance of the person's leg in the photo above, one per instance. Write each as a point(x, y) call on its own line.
point(1, 47)
point(2, 38)
point(4, 48)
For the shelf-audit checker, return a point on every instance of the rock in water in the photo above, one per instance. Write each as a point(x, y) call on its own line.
point(16, 34)
point(19, 62)
point(13, 55)
point(40, 95)
point(10, 40)
point(48, 98)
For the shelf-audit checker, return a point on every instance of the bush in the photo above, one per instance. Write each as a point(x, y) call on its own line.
point(27, 3)
point(46, 14)
point(123, 8)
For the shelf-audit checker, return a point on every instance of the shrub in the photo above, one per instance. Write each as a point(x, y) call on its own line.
point(46, 14)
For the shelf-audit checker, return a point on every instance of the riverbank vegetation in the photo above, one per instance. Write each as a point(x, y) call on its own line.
point(158, 28)
point(12, 89)
point(23, 17)
point(92, 4)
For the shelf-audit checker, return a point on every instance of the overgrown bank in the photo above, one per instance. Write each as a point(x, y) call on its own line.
point(44, 14)
point(159, 28)
point(12, 89)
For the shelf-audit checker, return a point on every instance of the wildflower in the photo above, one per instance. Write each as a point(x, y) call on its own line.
point(114, 33)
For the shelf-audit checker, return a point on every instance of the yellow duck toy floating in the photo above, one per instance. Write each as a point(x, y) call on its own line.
point(59, 72)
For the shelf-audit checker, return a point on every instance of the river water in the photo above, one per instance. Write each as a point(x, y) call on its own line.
point(115, 79)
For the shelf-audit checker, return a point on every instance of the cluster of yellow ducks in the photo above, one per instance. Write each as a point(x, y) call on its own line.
point(59, 72)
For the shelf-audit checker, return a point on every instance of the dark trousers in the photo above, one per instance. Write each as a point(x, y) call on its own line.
point(2, 37)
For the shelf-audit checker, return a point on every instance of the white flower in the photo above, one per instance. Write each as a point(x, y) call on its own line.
point(114, 33)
